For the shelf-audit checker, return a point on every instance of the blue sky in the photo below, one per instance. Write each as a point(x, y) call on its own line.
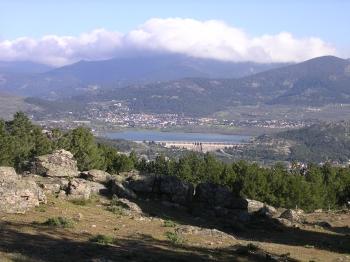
point(327, 20)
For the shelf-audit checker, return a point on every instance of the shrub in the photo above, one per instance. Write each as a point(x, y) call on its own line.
point(174, 238)
point(169, 223)
point(116, 207)
point(118, 210)
point(59, 222)
point(103, 240)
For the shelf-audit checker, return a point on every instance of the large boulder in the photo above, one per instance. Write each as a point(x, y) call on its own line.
point(130, 206)
point(17, 194)
point(254, 205)
point(117, 188)
point(96, 176)
point(141, 185)
point(213, 195)
point(98, 188)
point(171, 188)
point(8, 174)
point(60, 163)
point(78, 189)
point(51, 185)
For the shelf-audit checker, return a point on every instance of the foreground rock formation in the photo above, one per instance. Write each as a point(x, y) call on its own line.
point(207, 198)
point(60, 163)
point(18, 194)
point(58, 174)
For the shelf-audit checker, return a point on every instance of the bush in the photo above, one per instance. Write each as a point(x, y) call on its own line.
point(103, 240)
point(169, 223)
point(59, 222)
point(116, 207)
point(174, 238)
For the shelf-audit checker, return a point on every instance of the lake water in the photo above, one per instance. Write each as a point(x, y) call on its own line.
point(142, 135)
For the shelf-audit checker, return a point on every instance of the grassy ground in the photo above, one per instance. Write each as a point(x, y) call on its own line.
point(98, 235)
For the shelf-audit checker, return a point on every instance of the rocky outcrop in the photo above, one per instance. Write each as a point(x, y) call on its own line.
point(213, 195)
point(174, 190)
point(131, 207)
point(207, 198)
point(95, 175)
point(166, 188)
point(51, 185)
point(17, 194)
point(117, 188)
point(142, 185)
point(203, 232)
point(254, 205)
point(79, 188)
point(60, 163)
point(291, 215)
point(267, 211)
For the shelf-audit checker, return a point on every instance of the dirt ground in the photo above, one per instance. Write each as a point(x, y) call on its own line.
point(146, 238)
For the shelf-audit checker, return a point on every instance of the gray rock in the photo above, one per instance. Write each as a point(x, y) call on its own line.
point(58, 164)
point(205, 232)
point(291, 215)
point(254, 205)
point(51, 185)
point(18, 195)
point(213, 195)
point(97, 188)
point(78, 189)
point(285, 222)
point(117, 188)
point(131, 206)
point(175, 190)
point(267, 211)
point(141, 184)
point(96, 176)
point(8, 174)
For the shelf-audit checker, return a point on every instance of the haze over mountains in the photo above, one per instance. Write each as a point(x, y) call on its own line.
point(316, 82)
point(86, 76)
point(192, 86)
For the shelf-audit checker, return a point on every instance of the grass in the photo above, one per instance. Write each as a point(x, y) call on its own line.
point(41, 208)
point(103, 240)
point(174, 238)
point(84, 202)
point(169, 223)
point(116, 207)
point(81, 201)
point(61, 222)
point(118, 210)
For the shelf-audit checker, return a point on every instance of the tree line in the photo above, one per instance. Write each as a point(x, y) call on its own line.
point(316, 187)
point(21, 141)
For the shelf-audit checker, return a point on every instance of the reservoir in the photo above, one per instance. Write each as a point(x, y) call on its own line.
point(148, 135)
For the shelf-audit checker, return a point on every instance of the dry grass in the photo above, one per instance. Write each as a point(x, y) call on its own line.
point(127, 237)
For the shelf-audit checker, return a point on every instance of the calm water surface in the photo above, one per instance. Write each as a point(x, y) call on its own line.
point(142, 135)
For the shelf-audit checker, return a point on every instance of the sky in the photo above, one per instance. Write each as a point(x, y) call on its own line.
point(63, 32)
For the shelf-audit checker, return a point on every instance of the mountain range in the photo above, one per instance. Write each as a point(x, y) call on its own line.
point(30, 79)
point(201, 87)
point(316, 82)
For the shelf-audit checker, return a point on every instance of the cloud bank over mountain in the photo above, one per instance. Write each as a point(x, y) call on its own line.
point(203, 39)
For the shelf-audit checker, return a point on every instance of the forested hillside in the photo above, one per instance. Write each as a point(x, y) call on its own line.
point(315, 187)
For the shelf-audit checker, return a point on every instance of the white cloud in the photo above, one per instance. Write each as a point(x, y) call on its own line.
point(205, 39)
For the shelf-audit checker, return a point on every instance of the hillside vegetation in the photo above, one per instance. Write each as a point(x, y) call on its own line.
point(316, 82)
point(322, 142)
point(317, 187)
